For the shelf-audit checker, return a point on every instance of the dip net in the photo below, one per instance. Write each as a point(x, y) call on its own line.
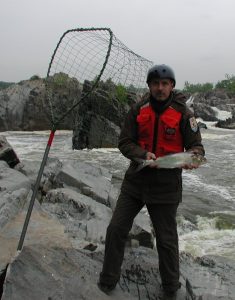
point(94, 55)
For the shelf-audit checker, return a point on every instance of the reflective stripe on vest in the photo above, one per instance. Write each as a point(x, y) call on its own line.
point(164, 128)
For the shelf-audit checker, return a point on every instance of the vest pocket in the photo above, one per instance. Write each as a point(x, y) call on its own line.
point(170, 127)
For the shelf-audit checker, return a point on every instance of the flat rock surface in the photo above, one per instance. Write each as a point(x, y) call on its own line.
point(64, 273)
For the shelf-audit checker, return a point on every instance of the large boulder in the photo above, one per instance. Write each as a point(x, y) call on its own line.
point(93, 181)
point(99, 117)
point(7, 153)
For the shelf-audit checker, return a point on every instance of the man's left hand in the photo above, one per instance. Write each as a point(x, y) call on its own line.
point(190, 166)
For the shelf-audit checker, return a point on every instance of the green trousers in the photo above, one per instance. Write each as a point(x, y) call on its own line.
point(163, 217)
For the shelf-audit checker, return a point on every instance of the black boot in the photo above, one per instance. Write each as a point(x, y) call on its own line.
point(106, 288)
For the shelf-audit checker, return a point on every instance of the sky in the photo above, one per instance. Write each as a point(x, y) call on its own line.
point(195, 37)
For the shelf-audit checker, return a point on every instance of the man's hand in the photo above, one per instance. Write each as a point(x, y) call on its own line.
point(190, 166)
point(150, 156)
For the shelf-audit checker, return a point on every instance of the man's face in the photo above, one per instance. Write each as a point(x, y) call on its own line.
point(160, 89)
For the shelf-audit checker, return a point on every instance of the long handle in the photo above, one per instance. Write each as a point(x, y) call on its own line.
point(35, 190)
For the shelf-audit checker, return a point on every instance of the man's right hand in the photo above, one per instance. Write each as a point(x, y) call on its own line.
point(150, 155)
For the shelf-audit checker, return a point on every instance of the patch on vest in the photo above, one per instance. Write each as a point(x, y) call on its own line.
point(193, 124)
point(170, 131)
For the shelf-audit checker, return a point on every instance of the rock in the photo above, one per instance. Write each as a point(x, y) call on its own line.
point(228, 124)
point(142, 230)
point(84, 218)
point(113, 196)
point(7, 153)
point(64, 273)
point(208, 277)
point(42, 230)
point(201, 125)
point(27, 105)
point(92, 180)
point(14, 189)
point(99, 117)
point(206, 105)
point(48, 180)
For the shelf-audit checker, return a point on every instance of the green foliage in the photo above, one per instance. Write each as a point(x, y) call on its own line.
point(121, 93)
point(197, 88)
point(34, 77)
point(227, 84)
point(5, 85)
point(60, 79)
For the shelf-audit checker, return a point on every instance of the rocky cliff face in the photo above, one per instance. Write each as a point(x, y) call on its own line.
point(99, 118)
point(24, 106)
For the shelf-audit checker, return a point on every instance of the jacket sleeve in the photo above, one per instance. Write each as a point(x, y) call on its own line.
point(191, 134)
point(128, 140)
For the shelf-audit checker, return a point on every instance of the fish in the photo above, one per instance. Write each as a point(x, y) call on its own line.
point(171, 161)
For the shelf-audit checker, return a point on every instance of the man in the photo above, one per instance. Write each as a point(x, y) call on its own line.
point(159, 125)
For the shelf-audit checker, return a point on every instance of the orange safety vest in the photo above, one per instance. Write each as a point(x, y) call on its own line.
point(159, 134)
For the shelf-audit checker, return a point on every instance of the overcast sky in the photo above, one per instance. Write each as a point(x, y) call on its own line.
point(195, 37)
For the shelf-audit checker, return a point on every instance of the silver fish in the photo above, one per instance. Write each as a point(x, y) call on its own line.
point(177, 160)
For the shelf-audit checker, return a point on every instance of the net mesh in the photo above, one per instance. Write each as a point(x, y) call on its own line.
point(91, 54)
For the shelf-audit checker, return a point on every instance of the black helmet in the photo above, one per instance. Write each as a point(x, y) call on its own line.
point(161, 71)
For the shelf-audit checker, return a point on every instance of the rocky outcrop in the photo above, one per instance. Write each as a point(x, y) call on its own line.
point(100, 117)
point(64, 245)
point(66, 273)
point(207, 105)
point(27, 105)
point(228, 123)
point(7, 153)
point(75, 209)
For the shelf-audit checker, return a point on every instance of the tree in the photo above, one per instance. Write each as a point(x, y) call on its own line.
point(227, 84)
point(197, 88)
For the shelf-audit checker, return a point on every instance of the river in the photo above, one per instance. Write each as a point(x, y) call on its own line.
point(206, 217)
